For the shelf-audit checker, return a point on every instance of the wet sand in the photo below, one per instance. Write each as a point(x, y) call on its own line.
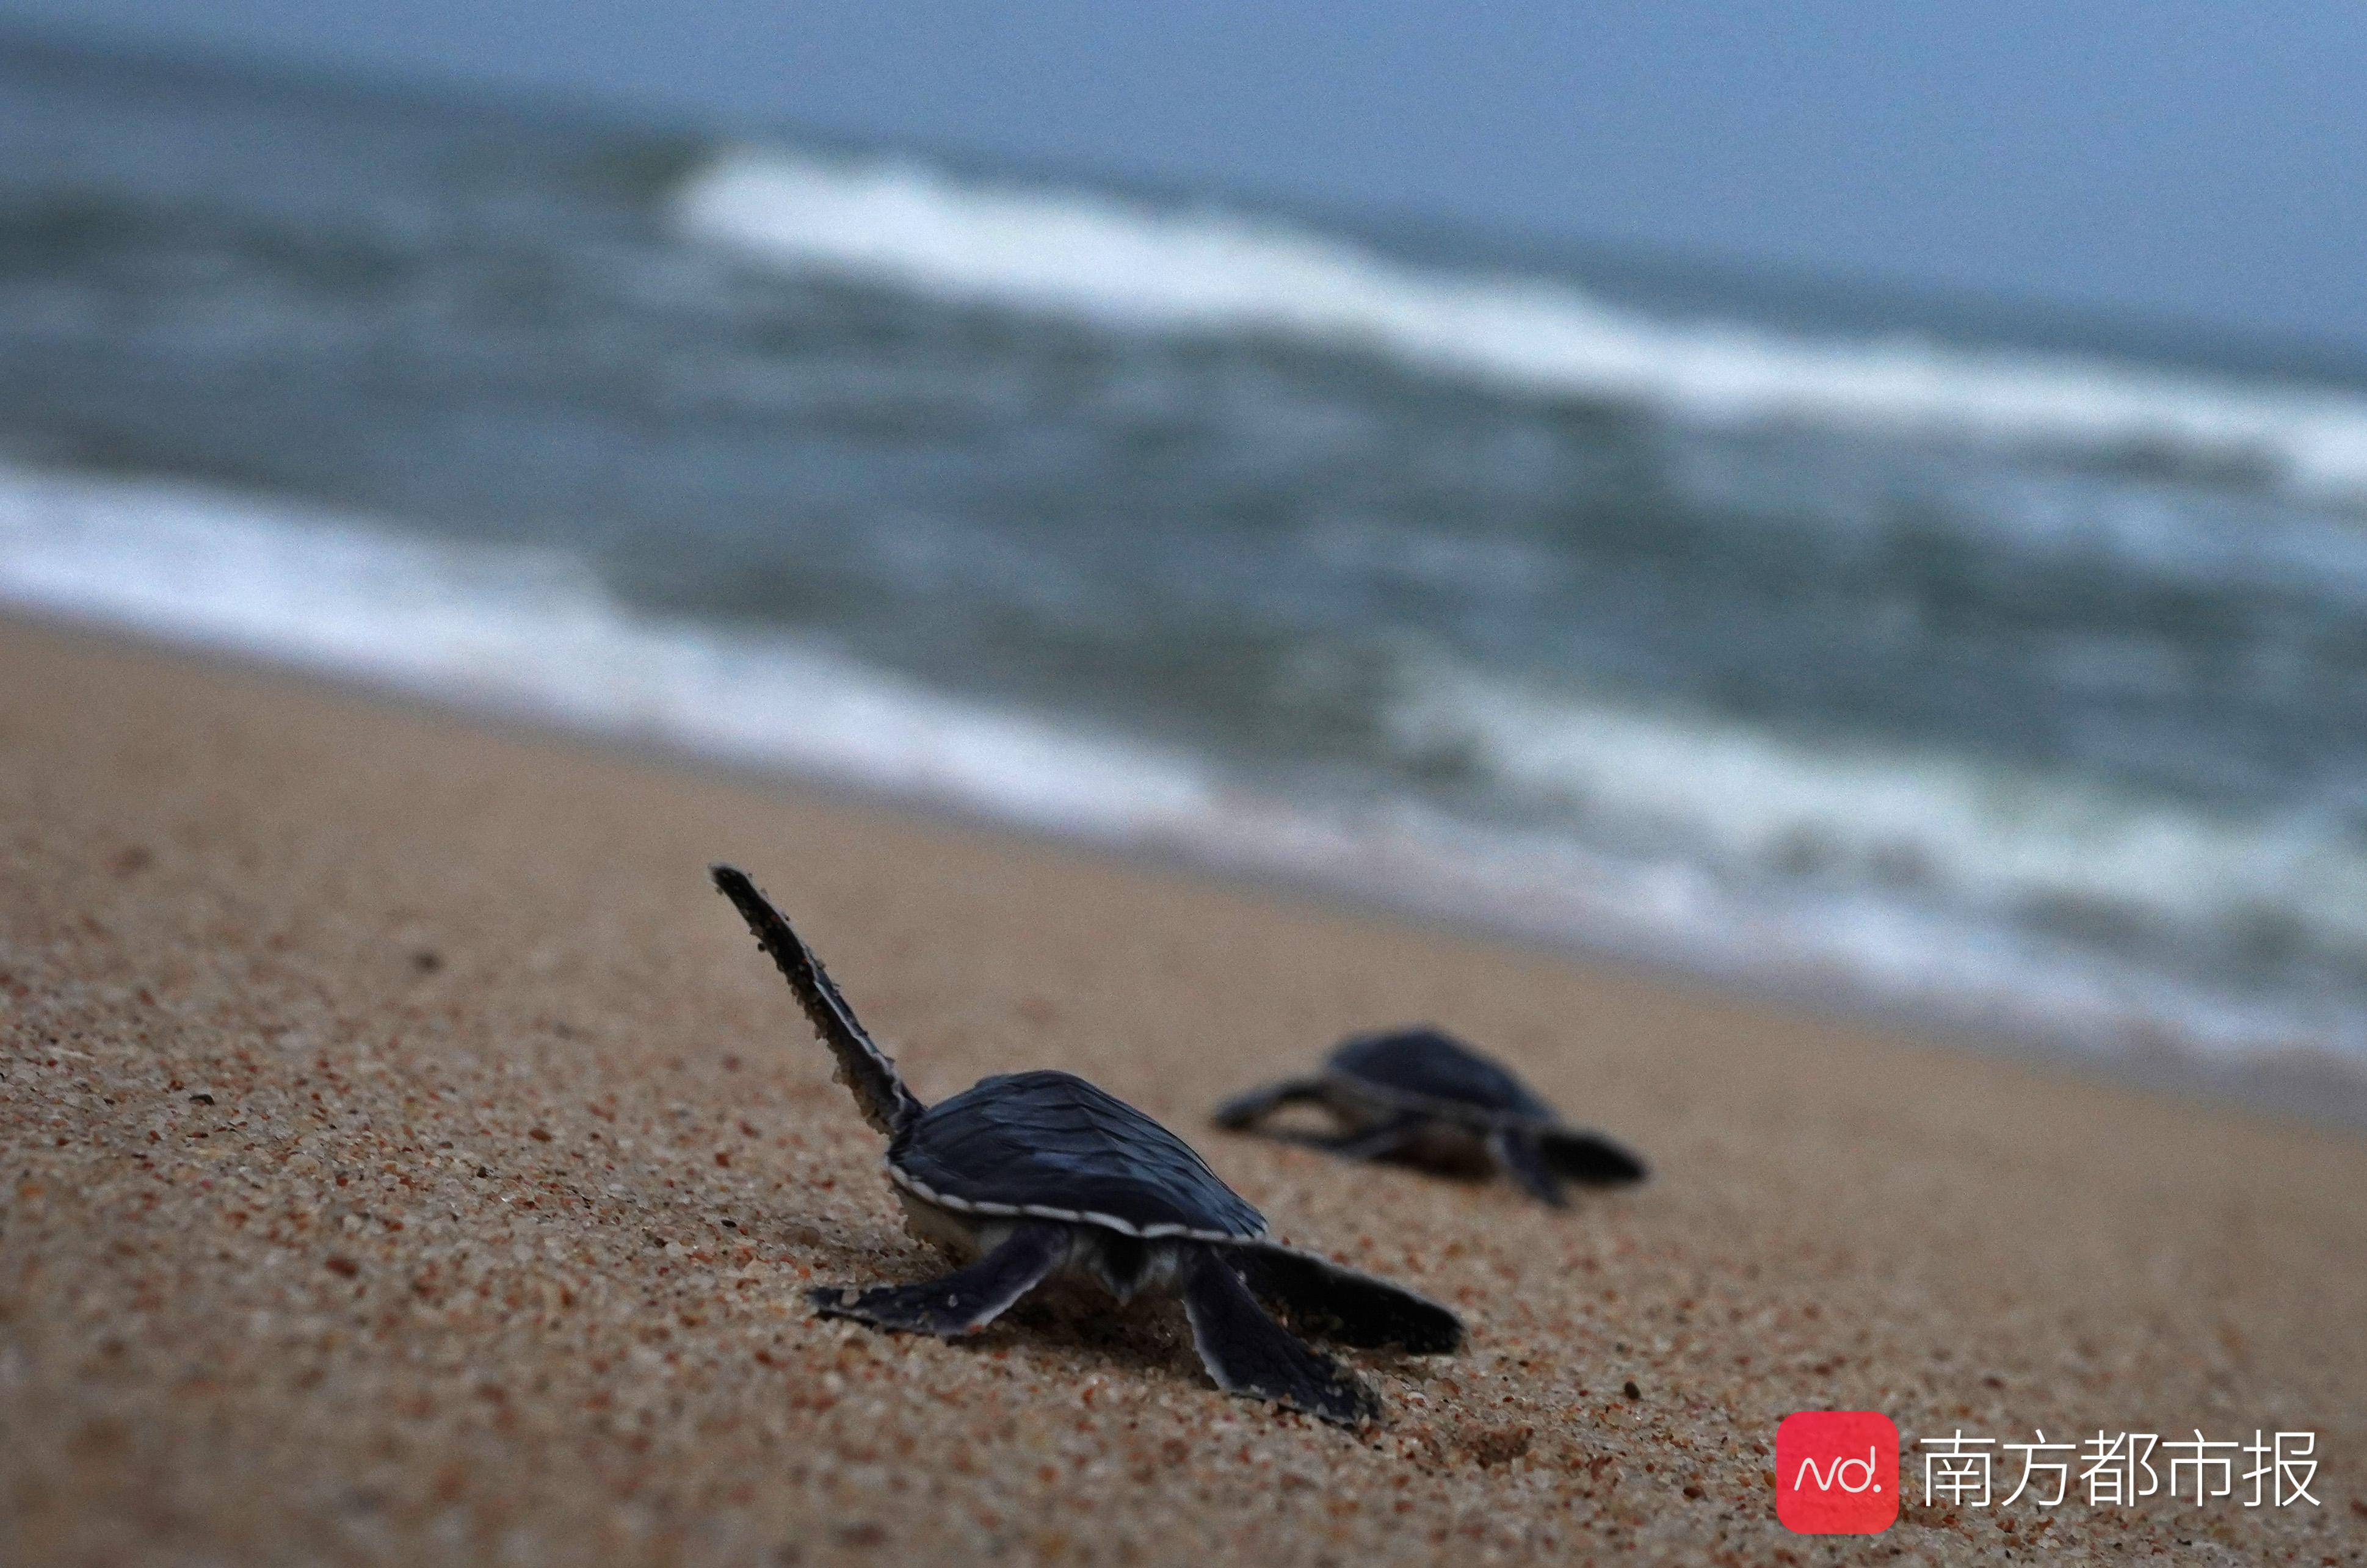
point(404, 1155)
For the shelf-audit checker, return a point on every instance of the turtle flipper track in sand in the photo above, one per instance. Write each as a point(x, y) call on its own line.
point(863, 1066)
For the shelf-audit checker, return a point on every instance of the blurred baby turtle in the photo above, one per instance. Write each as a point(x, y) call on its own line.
point(1421, 1096)
point(1030, 1177)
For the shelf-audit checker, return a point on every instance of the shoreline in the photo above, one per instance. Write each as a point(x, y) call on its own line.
point(2309, 1083)
point(407, 1156)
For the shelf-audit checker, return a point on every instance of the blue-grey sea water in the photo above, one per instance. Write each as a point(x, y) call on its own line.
point(1949, 657)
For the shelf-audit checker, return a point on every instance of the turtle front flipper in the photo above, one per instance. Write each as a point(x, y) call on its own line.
point(1246, 1109)
point(1333, 1303)
point(1376, 1142)
point(1248, 1353)
point(863, 1066)
point(964, 1301)
point(1588, 1158)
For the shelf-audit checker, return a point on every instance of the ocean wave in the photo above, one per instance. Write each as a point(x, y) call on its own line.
point(2019, 846)
point(1662, 836)
point(1081, 254)
point(534, 632)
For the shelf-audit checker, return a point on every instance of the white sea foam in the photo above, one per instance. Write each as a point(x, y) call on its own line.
point(535, 633)
point(1948, 831)
point(1673, 826)
point(1078, 254)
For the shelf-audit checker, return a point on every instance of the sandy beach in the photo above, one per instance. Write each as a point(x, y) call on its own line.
point(404, 1155)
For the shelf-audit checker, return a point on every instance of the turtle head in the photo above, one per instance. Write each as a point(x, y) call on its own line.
point(863, 1067)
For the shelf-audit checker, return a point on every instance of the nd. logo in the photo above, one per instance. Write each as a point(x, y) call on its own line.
point(1837, 1472)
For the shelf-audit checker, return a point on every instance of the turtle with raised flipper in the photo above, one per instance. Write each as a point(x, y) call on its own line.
point(1032, 1178)
point(1423, 1097)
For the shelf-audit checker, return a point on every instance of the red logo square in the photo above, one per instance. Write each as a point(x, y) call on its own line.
point(1837, 1472)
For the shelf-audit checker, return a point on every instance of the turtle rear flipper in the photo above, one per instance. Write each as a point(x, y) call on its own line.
point(863, 1066)
point(1517, 1150)
point(965, 1300)
point(1344, 1306)
point(1244, 1109)
point(1248, 1353)
point(1588, 1158)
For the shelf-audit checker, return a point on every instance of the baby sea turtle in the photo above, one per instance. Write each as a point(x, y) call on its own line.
point(1036, 1177)
point(1422, 1096)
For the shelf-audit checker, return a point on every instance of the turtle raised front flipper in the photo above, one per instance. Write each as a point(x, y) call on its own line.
point(963, 1301)
point(1336, 1303)
point(1248, 1353)
point(863, 1066)
point(1246, 1109)
point(1588, 1158)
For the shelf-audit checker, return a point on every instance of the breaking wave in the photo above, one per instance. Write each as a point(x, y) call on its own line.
point(904, 225)
point(534, 633)
point(1648, 832)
